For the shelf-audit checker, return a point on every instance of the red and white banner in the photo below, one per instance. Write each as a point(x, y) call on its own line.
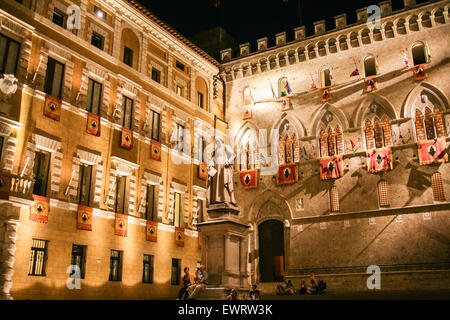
point(84, 219)
point(331, 167)
point(39, 209)
point(287, 174)
point(127, 138)
point(121, 225)
point(433, 151)
point(52, 107)
point(179, 236)
point(379, 160)
point(93, 124)
point(151, 233)
point(249, 178)
point(156, 150)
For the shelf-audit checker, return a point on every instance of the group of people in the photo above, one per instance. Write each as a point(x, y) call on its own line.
point(191, 285)
point(253, 294)
point(316, 286)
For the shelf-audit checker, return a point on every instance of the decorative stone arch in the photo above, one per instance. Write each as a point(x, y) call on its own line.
point(342, 42)
point(425, 18)
point(388, 28)
point(311, 51)
point(435, 95)
point(365, 33)
point(399, 23)
point(365, 107)
point(353, 36)
point(130, 38)
point(314, 129)
point(413, 23)
point(320, 45)
point(332, 45)
point(201, 86)
point(269, 206)
point(247, 147)
point(438, 14)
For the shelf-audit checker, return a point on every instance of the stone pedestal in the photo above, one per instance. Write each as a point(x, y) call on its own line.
point(225, 247)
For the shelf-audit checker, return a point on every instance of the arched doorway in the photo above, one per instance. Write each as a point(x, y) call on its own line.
point(271, 251)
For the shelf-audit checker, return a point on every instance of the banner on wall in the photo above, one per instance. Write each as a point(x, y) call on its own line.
point(84, 219)
point(152, 231)
point(40, 209)
point(52, 107)
point(433, 151)
point(371, 84)
point(285, 104)
point(247, 112)
point(249, 178)
point(287, 174)
point(325, 94)
point(156, 150)
point(420, 72)
point(179, 236)
point(121, 225)
point(93, 124)
point(331, 167)
point(203, 171)
point(127, 138)
point(379, 160)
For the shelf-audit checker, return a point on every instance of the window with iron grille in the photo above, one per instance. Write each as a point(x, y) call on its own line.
point(79, 258)
point(147, 276)
point(40, 172)
point(94, 97)
point(9, 54)
point(115, 266)
point(176, 272)
point(438, 187)
point(150, 209)
point(54, 78)
point(334, 199)
point(85, 185)
point(383, 193)
point(38, 257)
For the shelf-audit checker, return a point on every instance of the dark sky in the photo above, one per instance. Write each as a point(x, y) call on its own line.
point(248, 20)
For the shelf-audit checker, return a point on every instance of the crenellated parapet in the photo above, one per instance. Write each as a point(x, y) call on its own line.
point(412, 18)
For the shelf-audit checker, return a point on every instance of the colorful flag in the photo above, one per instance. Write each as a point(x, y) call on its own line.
point(179, 237)
point(249, 178)
point(121, 225)
point(331, 73)
point(325, 94)
point(379, 160)
point(127, 139)
point(433, 151)
point(428, 52)
point(93, 124)
point(287, 174)
point(5, 186)
point(353, 145)
point(39, 209)
point(203, 171)
point(405, 59)
point(84, 218)
point(331, 167)
point(371, 84)
point(52, 107)
point(247, 112)
point(304, 150)
point(151, 231)
point(313, 85)
point(420, 73)
point(287, 87)
point(355, 73)
point(156, 150)
point(273, 91)
point(377, 66)
point(285, 105)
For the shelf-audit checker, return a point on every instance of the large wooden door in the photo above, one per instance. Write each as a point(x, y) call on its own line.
point(271, 251)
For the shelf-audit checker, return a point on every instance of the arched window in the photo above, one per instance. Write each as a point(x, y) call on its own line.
point(339, 141)
point(248, 99)
point(369, 135)
point(323, 144)
point(283, 87)
point(334, 199)
point(331, 143)
point(438, 187)
point(378, 135)
point(431, 127)
point(296, 149)
point(387, 133)
point(383, 193)
point(281, 152)
point(325, 77)
point(370, 66)
point(288, 150)
point(419, 53)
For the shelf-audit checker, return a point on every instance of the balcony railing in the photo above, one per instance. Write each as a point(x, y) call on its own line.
point(21, 187)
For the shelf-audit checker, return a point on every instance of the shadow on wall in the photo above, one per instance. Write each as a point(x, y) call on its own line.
point(109, 291)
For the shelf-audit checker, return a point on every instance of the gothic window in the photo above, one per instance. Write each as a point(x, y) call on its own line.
point(325, 77)
point(438, 187)
point(383, 193)
point(431, 126)
point(387, 134)
point(281, 152)
point(439, 123)
point(288, 150)
point(331, 143)
point(334, 199)
point(248, 100)
point(369, 135)
point(378, 135)
point(323, 144)
point(418, 53)
point(339, 141)
point(420, 131)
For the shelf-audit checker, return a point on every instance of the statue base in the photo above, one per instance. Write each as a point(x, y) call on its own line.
point(225, 247)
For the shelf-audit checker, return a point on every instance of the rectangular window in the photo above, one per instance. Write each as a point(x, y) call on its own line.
point(178, 214)
point(180, 137)
point(180, 65)
point(156, 75)
point(97, 40)
point(115, 266)
point(9, 54)
point(85, 185)
point(334, 199)
point(54, 78)
point(176, 272)
point(383, 193)
point(150, 209)
point(79, 258)
point(94, 96)
point(127, 112)
point(437, 185)
point(201, 211)
point(121, 187)
point(180, 91)
point(38, 257)
point(147, 276)
point(59, 18)
point(40, 172)
point(155, 125)
point(200, 99)
point(128, 56)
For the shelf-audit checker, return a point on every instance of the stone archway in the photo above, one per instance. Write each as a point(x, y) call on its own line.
point(271, 251)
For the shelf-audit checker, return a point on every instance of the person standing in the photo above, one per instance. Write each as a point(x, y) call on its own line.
point(200, 283)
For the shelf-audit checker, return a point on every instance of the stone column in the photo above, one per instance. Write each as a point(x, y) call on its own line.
point(7, 258)
point(327, 49)
point(306, 52)
point(243, 260)
point(258, 67)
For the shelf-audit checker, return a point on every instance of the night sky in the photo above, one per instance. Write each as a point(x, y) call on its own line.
point(248, 20)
